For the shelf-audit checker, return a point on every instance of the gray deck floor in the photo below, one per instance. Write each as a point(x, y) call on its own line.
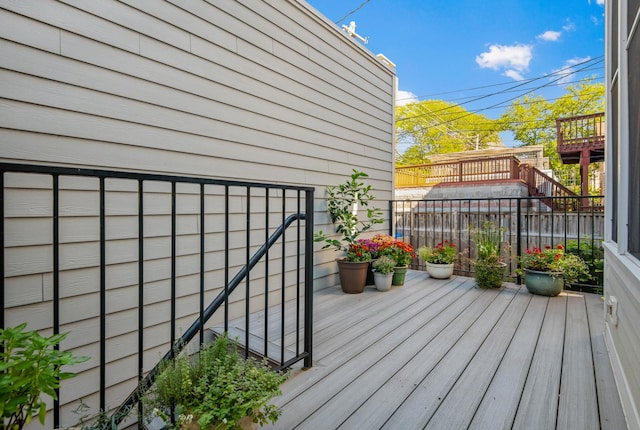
point(442, 354)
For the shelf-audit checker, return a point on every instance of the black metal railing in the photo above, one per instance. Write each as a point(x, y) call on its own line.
point(202, 230)
point(526, 222)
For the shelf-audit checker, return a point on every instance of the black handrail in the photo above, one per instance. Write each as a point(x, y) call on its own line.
point(303, 286)
point(190, 333)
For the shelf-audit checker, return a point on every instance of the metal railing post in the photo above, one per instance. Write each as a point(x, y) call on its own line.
point(308, 278)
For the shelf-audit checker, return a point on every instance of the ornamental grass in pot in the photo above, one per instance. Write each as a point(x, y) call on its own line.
point(489, 266)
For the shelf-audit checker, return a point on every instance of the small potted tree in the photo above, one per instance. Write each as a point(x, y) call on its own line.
point(343, 204)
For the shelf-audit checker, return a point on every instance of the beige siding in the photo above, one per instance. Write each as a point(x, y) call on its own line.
point(266, 91)
point(622, 279)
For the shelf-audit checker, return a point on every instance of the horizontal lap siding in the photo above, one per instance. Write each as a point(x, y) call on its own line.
point(265, 91)
point(172, 91)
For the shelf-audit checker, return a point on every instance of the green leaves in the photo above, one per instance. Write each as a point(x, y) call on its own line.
point(216, 388)
point(29, 366)
point(343, 204)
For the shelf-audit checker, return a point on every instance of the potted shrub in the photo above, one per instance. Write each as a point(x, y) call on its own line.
point(439, 259)
point(343, 204)
point(546, 270)
point(383, 272)
point(217, 389)
point(30, 366)
point(488, 266)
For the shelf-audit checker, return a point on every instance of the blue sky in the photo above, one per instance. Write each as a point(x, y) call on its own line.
point(495, 50)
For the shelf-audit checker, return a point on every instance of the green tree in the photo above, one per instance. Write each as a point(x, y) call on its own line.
point(438, 127)
point(532, 119)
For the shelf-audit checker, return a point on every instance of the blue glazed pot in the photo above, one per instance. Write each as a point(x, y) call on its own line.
point(543, 283)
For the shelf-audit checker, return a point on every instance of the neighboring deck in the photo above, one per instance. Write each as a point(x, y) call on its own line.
point(446, 355)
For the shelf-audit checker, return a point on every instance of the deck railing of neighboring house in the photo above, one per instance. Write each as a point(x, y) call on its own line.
point(489, 169)
point(204, 235)
point(538, 183)
point(526, 222)
point(581, 131)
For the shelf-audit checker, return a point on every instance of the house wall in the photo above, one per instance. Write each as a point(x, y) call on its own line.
point(266, 91)
point(622, 157)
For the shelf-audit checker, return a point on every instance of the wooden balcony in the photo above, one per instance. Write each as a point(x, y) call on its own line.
point(446, 355)
point(585, 133)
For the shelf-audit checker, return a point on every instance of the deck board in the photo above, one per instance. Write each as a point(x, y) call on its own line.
point(578, 405)
point(442, 354)
point(500, 403)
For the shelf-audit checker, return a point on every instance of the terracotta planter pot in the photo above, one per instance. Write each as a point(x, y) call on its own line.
point(543, 283)
point(440, 271)
point(383, 280)
point(353, 275)
point(399, 274)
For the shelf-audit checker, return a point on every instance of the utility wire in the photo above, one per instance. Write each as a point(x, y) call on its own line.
point(558, 73)
point(523, 103)
point(422, 98)
point(352, 12)
point(499, 84)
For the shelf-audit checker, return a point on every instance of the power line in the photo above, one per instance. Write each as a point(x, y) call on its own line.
point(599, 79)
point(352, 12)
point(523, 103)
point(561, 71)
point(558, 73)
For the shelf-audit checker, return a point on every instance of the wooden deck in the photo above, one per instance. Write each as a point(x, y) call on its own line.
point(446, 355)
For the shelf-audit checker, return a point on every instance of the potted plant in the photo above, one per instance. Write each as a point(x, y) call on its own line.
point(439, 259)
point(383, 272)
point(343, 204)
point(488, 266)
point(30, 366)
point(546, 270)
point(401, 252)
point(217, 389)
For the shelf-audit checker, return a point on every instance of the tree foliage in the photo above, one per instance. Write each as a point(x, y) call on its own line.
point(438, 127)
point(532, 119)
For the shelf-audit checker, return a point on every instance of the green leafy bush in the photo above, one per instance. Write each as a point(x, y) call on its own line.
point(29, 367)
point(216, 387)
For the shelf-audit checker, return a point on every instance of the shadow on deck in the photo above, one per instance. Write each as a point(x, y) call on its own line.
point(446, 355)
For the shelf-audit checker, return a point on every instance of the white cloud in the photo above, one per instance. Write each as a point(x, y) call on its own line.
point(569, 26)
point(567, 71)
point(405, 97)
point(514, 75)
point(550, 36)
point(515, 58)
